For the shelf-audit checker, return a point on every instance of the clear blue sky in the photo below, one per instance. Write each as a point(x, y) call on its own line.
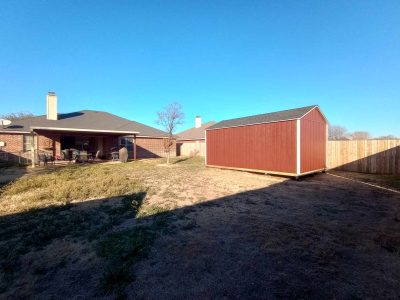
point(219, 59)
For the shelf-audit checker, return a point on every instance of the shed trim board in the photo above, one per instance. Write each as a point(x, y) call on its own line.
point(311, 111)
point(205, 150)
point(267, 171)
point(283, 120)
point(298, 147)
point(251, 124)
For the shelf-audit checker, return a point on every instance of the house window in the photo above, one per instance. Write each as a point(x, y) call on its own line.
point(126, 142)
point(28, 142)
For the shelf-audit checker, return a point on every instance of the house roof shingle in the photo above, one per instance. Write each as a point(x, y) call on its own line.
point(195, 133)
point(283, 115)
point(88, 120)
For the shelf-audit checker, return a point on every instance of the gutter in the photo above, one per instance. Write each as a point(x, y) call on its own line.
point(14, 131)
point(82, 130)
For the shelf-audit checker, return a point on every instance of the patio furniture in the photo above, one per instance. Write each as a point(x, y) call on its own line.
point(83, 156)
point(76, 155)
point(114, 156)
point(97, 156)
point(65, 154)
point(51, 159)
point(43, 159)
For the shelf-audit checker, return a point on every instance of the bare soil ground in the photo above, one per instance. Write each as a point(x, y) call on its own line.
point(184, 231)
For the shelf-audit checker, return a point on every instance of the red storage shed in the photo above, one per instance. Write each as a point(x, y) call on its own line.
point(290, 142)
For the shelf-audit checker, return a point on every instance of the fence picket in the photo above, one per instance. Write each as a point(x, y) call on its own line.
point(368, 156)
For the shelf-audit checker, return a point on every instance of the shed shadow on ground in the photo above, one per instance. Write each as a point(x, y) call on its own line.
point(317, 238)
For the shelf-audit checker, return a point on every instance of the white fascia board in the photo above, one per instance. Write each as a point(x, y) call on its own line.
point(298, 147)
point(83, 130)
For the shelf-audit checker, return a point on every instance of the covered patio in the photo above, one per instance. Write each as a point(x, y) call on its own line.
point(80, 145)
point(87, 133)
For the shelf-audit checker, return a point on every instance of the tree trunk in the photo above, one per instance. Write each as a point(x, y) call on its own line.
point(168, 154)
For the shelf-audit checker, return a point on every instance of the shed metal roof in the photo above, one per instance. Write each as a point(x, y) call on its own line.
point(284, 115)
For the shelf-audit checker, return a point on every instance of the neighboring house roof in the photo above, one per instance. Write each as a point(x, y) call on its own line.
point(284, 115)
point(195, 133)
point(85, 120)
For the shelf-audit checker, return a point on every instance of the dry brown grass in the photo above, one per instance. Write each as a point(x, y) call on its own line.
point(207, 233)
point(89, 204)
point(65, 185)
point(80, 206)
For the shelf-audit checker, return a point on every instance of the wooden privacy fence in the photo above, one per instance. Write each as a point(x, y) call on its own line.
point(193, 148)
point(366, 156)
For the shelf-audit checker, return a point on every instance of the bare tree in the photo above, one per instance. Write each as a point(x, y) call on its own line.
point(169, 119)
point(360, 135)
point(387, 137)
point(337, 132)
point(17, 116)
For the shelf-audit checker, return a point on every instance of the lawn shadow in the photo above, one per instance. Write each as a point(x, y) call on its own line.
point(320, 237)
point(10, 172)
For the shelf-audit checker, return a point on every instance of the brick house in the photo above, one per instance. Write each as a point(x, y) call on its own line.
point(83, 130)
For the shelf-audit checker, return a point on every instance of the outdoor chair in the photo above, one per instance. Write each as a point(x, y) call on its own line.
point(114, 156)
point(51, 159)
point(65, 155)
point(97, 156)
point(42, 158)
point(83, 156)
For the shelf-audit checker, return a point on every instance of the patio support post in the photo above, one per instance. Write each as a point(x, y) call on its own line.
point(33, 151)
point(134, 147)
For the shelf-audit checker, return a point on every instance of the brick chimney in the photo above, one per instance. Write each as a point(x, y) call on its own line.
point(197, 122)
point(51, 104)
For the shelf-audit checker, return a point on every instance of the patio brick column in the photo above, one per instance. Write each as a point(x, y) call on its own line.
point(33, 151)
point(134, 147)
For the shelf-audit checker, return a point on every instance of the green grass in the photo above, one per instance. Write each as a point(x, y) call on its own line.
point(392, 181)
point(151, 210)
point(123, 249)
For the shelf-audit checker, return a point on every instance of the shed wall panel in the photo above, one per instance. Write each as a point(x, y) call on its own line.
point(313, 142)
point(269, 147)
